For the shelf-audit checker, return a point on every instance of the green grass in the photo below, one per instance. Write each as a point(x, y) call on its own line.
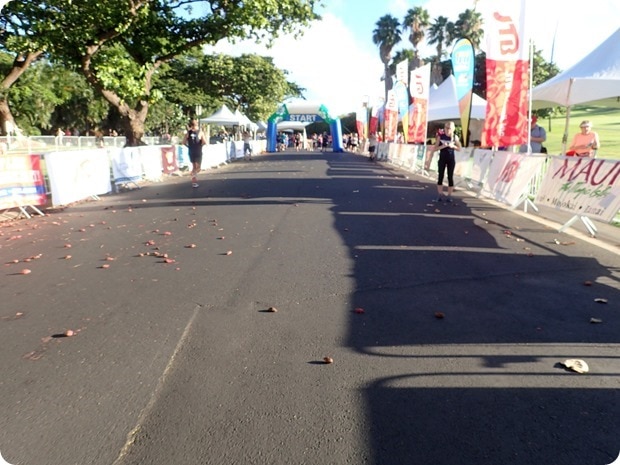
point(605, 121)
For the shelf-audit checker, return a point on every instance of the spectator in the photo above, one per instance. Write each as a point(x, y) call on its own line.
point(586, 142)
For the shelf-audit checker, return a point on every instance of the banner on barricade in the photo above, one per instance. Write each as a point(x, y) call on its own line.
point(126, 165)
point(481, 164)
point(169, 160)
point(463, 159)
point(78, 174)
point(21, 181)
point(150, 158)
point(509, 176)
point(583, 186)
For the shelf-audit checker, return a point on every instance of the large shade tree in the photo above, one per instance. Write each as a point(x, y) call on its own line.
point(118, 45)
point(18, 42)
point(386, 35)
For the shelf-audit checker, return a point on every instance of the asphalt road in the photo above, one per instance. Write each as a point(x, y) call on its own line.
point(446, 324)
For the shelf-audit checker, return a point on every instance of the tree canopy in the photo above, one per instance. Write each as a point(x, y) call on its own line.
point(118, 45)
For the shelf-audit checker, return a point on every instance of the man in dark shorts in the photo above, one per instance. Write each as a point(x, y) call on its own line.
point(194, 140)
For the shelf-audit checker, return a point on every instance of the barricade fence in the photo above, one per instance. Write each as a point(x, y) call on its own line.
point(588, 188)
point(30, 179)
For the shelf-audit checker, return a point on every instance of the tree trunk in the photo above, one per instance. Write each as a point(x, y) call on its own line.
point(133, 123)
point(5, 116)
point(20, 65)
point(387, 80)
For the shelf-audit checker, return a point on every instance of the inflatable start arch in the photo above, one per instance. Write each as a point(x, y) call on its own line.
point(303, 113)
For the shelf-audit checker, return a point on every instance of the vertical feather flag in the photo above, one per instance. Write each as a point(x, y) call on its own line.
point(418, 110)
point(401, 87)
point(361, 122)
point(391, 117)
point(507, 64)
point(463, 68)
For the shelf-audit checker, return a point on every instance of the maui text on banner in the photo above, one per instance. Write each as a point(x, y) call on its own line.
point(583, 186)
point(507, 65)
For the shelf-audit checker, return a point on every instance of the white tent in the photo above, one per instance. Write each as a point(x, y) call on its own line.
point(223, 117)
point(443, 103)
point(594, 80)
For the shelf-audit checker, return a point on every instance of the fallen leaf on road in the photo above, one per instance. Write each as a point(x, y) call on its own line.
point(328, 360)
point(595, 320)
point(600, 300)
point(439, 315)
point(25, 271)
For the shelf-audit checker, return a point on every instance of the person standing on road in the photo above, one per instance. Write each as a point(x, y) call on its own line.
point(247, 146)
point(446, 143)
point(194, 140)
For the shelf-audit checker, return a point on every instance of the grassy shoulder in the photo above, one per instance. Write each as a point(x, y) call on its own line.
point(605, 121)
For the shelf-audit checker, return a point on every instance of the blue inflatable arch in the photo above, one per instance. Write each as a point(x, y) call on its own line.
point(303, 113)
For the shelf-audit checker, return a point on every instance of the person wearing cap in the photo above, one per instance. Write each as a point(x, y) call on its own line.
point(537, 136)
point(586, 142)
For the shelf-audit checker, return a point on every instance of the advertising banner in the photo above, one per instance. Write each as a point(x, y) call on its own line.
point(507, 65)
point(463, 68)
point(583, 186)
point(21, 181)
point(509, 176)
point(418, 110)
point(391, 117)
point(78, 174)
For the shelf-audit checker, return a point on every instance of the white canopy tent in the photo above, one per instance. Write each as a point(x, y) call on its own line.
point(444, 105)
point(594, 80)
point(222, 117)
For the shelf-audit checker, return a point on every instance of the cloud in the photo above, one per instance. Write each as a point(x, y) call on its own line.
point(327, 61)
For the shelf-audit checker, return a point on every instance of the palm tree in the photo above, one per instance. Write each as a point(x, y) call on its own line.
point(469, 26)
point(441, 33)
point(386, 35)
point(417, 21)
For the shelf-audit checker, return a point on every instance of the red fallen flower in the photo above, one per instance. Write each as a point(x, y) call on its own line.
point(169, 260)
point(167, 233)
point(26, 271)
point(359, 310)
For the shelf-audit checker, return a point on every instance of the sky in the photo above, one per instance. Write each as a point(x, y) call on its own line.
point(339, 66)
